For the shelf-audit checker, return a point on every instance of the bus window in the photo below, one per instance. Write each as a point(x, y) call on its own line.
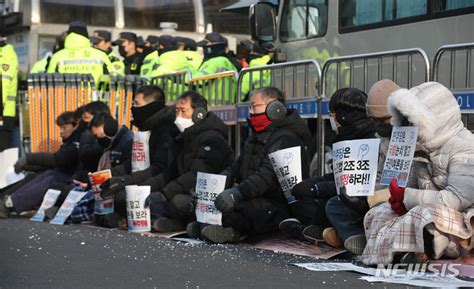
point(149, 13)
point(96, 13)
point(302, 19)
point(354, 13)
point(444, 5)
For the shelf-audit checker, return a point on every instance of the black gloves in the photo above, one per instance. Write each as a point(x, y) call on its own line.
point(113, 185)
point(226, 200)
point(358, 204)
point(20, 164)
point(305, 190)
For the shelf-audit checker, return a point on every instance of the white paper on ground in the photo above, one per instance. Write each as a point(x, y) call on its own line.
point(426, 280)
point(208, 187)
point(335, 266)
point(49, 200)
point(7, 173)
point(66, 209)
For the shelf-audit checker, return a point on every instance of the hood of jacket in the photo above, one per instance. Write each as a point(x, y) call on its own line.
point(292, 122)
point(432, 108)
point(75, 42)
point(210, 122)
point(163, 117)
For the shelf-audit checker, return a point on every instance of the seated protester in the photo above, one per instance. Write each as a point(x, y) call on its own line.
point(349, 119)
point(346, 213)
point(117, 145)
point(57, 167)
point(431, 217)
point(89, 151)
point(156, 127)
point(257, 204)
point(201, 147)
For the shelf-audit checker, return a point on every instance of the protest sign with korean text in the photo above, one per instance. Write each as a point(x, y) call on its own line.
point(102, 206)
point(138, 216)
point(67, 207)
point(8, 176)
point(355, 166)
point(48, 201)
point(140, 151)
point(208, 187)
point(400, 155)
point(287, 166)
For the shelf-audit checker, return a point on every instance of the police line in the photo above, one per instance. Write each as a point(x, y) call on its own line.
point(306, 85)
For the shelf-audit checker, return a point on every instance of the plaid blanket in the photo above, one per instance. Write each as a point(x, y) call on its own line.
point(387, 233)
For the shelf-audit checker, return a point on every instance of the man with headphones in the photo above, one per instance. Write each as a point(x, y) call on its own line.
point(201, 146)
point(256, 204)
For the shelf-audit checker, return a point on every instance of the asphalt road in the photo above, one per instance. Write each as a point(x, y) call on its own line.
point(40, 255)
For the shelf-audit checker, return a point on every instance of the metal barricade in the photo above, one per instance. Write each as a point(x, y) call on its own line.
point(452, 66)
point(48, 96)
point(120, 96)
point(298, 80)
point(406, 67)
point(173, 84)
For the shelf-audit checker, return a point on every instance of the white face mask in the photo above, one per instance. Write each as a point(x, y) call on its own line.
point(183, 123)
point(333, 124)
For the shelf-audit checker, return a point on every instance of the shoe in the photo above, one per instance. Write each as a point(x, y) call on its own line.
point(293, 228)
point(331, 237)
point(51, 212)
point(218, 234)
point(167, 225)
point(413, 258)
point(108, 221)
point(193, 229)
point(313, 233)
point(355, 244)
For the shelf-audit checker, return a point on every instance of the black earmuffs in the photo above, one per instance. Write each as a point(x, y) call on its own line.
point(275, 110)
point(199, 114)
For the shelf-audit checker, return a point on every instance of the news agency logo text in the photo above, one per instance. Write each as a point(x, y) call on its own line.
point(417, 270)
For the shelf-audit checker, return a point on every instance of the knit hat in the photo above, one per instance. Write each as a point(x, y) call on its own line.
point(377, 98)
point(78, 27)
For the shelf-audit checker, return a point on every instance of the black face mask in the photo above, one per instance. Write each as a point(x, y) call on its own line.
point(143, 113)
point(83, 125)
point(214, 50)
point(104, 142)
point(122, 51)
point(383, 129)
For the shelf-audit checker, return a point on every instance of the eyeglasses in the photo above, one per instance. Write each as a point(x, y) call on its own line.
point(252, 106)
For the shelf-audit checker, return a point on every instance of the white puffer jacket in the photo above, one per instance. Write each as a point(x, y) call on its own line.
point(448, 177)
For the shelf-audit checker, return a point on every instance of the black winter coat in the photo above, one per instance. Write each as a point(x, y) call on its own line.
point(253, 170)
point(163, 131)
point(65, 160)
point(121, 147)
point(202, 147)
point(90, 152)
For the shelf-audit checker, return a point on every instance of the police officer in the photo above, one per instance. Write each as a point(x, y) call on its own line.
point(42, 65)
point(189, 48)
point(171, 59)
point(8, 88)
point(78, 56)
point(101, 39)
point(133, 60)
point(150, 53)
point(215, 61)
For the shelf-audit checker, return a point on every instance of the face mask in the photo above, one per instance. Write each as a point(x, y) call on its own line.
point(122, 51)
point(82, 125)
point(383, 129)
point(332, 121)
point(259, 121)
point(183, 123)
point(104, 142)
point(143, 113)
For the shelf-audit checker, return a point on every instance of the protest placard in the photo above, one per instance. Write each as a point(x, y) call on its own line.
point(400, 155)
point(138, 216)
point(74, 196)
point(8, 176)
point(355, 166)
point(102, 206)
point(287, 166)
point(49, 200)
point(140, 151)
point(208, 187)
